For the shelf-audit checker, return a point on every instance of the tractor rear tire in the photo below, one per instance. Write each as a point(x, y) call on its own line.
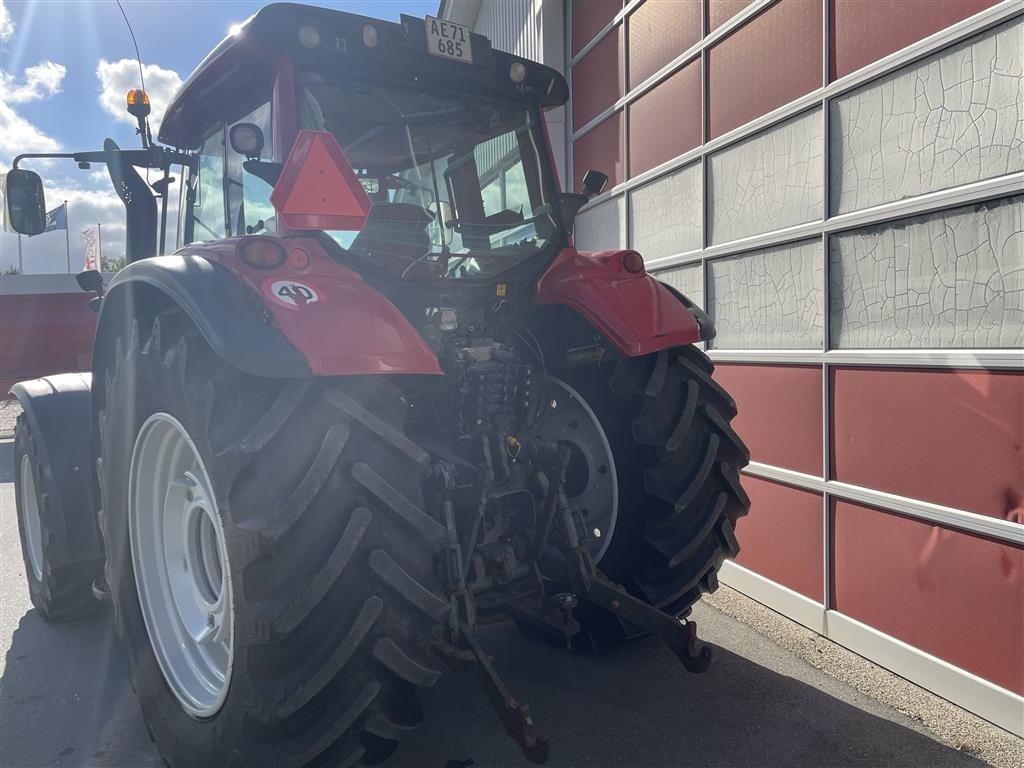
point(59, 586)
point(678, 465)
point(329, 549)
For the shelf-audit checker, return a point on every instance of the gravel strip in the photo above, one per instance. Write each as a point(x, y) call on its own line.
point(9, 412)
point(949, 723)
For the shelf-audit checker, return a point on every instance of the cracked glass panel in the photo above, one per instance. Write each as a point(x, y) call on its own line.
point(767, 182)
point(950, 279)
point(666, 214)
point(954, 118)
point(602, 227)
point(768, 299)
point(687, 279)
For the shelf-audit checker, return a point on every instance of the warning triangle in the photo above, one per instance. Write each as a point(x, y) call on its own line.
point(317, 188)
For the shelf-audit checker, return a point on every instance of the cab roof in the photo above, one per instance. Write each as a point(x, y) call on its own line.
point(236, 76)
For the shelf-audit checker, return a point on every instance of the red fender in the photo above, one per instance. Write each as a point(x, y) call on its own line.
point(635, 312)
point(339, 323)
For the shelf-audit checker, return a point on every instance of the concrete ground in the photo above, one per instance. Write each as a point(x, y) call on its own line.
point(65, 699)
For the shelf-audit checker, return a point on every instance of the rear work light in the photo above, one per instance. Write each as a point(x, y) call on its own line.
point(261, 253)
point(633, 262)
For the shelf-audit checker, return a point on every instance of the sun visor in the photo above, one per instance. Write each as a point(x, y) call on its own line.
point(317, 188)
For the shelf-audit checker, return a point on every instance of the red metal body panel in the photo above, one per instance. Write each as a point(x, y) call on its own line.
point(318, 188)
point(769, 61)
point(658, 32)
point(720, 11)
point(597, 80)
point(341, 325)
point(953, 594)
point(665, 121)
point(634, 312)
point(782, 537)
point(41, 333)
point(590, 18)
point(600, 149)
point(865, 32)
point(950, 437)
point(779, 413)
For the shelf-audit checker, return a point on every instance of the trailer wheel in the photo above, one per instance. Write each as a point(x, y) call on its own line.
point(677, 461)
point(60, 588)
point(270, 558)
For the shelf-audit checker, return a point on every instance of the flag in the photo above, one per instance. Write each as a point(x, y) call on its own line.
point(92, 247)
point(57, 218)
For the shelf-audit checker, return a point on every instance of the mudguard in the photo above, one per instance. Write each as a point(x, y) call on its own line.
point(633, 311)
point(58, 411)
point(310, 316)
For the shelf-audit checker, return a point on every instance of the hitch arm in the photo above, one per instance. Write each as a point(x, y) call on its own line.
point(679, 634)
point(515, 716)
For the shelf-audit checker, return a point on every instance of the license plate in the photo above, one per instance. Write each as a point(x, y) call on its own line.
point(449, 40)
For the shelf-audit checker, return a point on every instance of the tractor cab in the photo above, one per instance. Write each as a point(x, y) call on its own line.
point(443, 170)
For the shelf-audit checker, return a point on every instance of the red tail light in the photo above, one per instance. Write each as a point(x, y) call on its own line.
point(261, 253)
point(633, 262)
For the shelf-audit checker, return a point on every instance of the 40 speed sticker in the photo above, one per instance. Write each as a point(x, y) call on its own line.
point(291, 293)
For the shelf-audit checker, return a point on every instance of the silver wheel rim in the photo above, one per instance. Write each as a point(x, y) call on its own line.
point(591, 483)
point(181, 566)
point(30, 516)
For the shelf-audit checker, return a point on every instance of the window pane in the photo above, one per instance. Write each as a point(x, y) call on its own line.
point(208, 212)
point(248, 194)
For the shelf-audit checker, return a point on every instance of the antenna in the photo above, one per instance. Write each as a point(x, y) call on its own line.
point(147, 137)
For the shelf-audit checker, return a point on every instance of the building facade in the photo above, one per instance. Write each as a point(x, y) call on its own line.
point(839, 183)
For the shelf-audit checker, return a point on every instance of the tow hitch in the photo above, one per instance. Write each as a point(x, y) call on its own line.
point(551, 613)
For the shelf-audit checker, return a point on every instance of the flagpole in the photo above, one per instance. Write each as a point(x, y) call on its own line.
point(67, 234)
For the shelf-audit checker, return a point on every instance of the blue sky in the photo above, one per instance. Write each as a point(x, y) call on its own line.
point(66, 65)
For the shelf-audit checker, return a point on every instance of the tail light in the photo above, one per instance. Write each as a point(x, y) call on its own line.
point(261, 253)
point(633, 262)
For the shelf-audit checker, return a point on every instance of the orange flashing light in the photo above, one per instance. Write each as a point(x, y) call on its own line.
point(138, 102)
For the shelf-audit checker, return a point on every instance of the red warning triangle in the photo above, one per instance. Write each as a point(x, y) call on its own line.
point(317, 188)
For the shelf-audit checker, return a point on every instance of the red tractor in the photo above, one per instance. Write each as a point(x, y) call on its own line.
point(374, 400)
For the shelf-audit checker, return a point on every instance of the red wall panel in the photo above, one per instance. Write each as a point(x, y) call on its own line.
point(589, 17)
point(44, 333)
point(782, 537)
point(597, 80)
point(665, 121)
point(952, 594)
point(720, 11)
point(779, 413)
point(660, 30)
point(768, 62)
point(600, 149)
point(952, 437)
point(862, 32)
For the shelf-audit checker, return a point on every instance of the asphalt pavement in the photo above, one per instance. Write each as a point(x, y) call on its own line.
point(65, 699)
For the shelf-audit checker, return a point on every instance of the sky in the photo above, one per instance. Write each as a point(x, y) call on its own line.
point(65, 67)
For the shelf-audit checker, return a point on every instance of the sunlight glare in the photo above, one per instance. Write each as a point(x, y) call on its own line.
point(234, 29)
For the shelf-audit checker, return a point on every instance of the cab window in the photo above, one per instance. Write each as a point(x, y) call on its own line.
point(249, 208)
point(208, 212)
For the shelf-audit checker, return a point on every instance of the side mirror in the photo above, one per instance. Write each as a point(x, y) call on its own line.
point(90, 281)
point(26, 203)
point(246, 139)
point(594, 182)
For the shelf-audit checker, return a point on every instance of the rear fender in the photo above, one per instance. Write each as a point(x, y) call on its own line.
point(309, 317)
point(634, 312)
point(58, 411)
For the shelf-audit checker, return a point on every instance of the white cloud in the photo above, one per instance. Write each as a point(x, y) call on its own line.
point(18, 135)
point(119, 77)
point(41, 82)
point(6, 23)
